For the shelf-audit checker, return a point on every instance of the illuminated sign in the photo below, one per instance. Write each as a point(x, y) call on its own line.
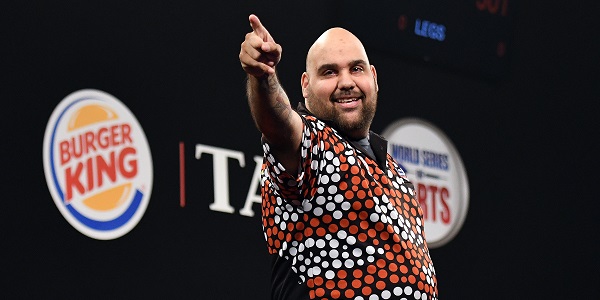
point(471, 36)
point(434, 166)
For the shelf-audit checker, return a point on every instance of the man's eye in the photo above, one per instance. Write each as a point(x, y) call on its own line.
point(357, 69)
point(328, 72)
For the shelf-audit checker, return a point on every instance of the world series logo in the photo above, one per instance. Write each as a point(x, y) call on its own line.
point(435, 167)
point(97, 164)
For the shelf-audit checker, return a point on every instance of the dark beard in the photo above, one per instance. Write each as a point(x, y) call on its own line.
point(364, 122)
point(332, 116)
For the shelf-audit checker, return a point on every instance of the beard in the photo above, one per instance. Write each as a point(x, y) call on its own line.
point(351, 127)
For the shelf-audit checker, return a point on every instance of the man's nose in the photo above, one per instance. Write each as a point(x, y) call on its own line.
point(345, 81)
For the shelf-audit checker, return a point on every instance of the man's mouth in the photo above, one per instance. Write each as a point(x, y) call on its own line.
point(346, 100)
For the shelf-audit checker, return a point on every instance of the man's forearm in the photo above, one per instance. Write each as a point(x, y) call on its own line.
point(270, 107)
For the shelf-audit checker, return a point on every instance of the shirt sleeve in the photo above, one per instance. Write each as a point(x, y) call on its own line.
point(292, 185)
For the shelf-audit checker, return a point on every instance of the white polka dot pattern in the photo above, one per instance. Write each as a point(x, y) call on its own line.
point(350, 229)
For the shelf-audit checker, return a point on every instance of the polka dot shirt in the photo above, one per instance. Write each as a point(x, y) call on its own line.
point(348, 227)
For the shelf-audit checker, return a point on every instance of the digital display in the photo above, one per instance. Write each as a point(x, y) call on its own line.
point(469, 36)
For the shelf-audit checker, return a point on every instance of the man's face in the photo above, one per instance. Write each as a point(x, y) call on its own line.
point(340, 85)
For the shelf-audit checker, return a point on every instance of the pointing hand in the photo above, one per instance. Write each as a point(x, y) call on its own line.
point(259, 53)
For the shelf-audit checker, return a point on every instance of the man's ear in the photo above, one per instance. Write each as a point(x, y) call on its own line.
point(375, 77)
point(304, 84)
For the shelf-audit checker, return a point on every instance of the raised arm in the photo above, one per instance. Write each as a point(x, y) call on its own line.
point(269, 104)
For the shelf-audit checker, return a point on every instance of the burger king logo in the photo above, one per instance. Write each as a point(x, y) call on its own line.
point(97, 164)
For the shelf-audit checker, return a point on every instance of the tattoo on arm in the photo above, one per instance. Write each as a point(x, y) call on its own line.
point(272, 90)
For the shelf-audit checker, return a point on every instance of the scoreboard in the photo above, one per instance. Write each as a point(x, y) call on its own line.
point(468, 36)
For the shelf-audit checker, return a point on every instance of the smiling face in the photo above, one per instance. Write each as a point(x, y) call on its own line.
point(339, 84)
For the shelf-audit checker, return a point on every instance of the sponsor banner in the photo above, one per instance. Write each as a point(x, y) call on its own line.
point(97, 164)
point(432, 163)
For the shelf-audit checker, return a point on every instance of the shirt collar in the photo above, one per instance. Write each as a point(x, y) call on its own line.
point(378, 143)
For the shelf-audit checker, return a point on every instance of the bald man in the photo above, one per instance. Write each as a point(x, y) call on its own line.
point(339, 216)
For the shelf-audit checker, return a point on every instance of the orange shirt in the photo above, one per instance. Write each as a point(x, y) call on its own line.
point(348, 227)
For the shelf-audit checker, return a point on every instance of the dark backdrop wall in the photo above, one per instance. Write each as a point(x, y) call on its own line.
point(528, 142)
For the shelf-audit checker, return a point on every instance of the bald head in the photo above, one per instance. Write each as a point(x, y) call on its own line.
point(339, 84)
point(335, 41)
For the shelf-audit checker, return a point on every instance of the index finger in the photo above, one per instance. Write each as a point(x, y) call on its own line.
point(258, 28)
